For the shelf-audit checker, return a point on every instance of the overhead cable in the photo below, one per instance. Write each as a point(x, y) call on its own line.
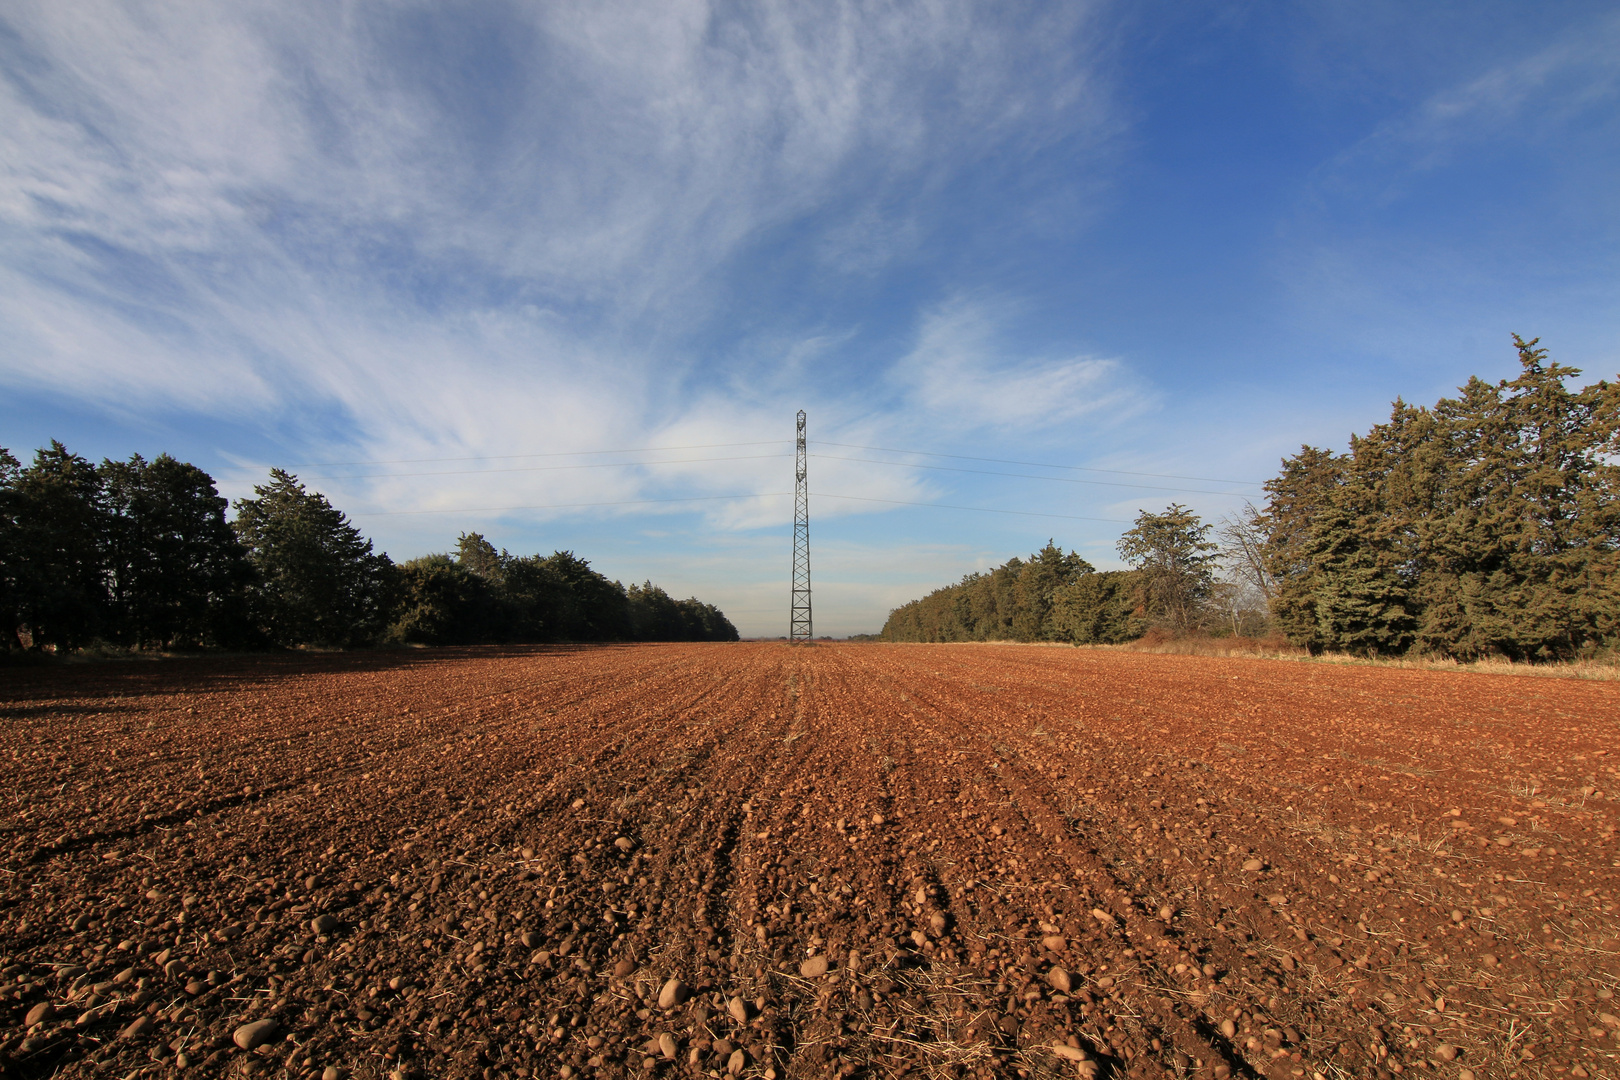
point(766, 442)
point(1039, 464)
point(513, 457)
point(716, 498)
point(1027, 476)
point(978, 509)
point(569, 506)
point(547, 468)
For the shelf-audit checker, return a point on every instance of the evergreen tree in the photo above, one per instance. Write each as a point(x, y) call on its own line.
point(440, 602)
point(56, 534)
point(11, 586)
point(1487, 525)
point(1047, 571)
point(1016, 601)
point(176, 570)
point(1098, 609)
point(594, 608)
point(317, 580)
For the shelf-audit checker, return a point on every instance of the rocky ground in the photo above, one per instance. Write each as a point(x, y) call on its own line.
point(767, 861)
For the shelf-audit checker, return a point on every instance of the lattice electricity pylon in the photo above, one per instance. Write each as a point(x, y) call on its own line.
point(799, 621)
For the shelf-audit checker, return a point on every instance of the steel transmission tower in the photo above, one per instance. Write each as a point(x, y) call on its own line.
point(799, 623)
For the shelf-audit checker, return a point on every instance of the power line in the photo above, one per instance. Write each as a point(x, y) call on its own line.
point(570, 506)
point(1028, 476)
point(978, 509)
point(513, 457)
point(829, 457)
point(1041, 464)
point(716, 498)
point(765, 442)
point(549, 468)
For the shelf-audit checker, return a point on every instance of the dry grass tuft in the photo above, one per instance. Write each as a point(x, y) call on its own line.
point(1275, 647)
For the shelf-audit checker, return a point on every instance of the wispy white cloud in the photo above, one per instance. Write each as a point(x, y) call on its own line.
point(1536, 94)
point(496, 228)
point(962, 372)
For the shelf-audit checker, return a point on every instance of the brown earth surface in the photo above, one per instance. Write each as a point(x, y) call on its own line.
point(756, 859)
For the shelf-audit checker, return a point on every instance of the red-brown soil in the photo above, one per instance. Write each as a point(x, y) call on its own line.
point(1242, 867)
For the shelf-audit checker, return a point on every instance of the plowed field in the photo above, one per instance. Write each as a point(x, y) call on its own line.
point(755, 859)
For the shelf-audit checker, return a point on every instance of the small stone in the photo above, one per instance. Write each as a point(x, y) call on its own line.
point(1166, 913)
point(738, 1008)
point(1446, 1052)
point(1103, 917)
point(42, 1013)
point(673, 993)
point(1465, 1074)
point(624, 967)
point(254, 1035)
point(578, 804)
point(324, 924)
point(141, 1026)
point(877, 819)
point(1252, 865)
point(737, 1062)
point(1060, 980)
point(666, 1046)
point(937, 922)
point(1229, 1029)
point(530, 939)
point(1070, 1053)
point(815, 967)
point(527, 853)
point(1488, 960)
point(330, 1073)
point(624, 843)
point(1054, 943)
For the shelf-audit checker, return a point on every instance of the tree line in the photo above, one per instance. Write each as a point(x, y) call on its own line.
point(140, 554)
point(1488, 525)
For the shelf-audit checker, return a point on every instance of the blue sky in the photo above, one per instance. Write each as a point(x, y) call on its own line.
point(428, 254)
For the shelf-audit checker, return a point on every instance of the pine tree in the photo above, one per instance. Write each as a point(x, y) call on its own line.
point(56, 528)
point(317, 581)
point(176, 570)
